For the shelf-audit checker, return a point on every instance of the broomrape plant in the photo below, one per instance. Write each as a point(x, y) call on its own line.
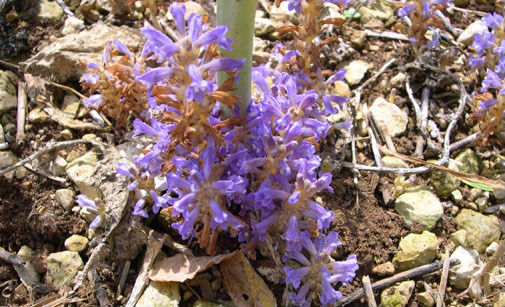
point(219, 161)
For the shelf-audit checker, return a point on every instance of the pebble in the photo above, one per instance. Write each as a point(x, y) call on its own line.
point(469, 263)
point(355, 71)
point(65, 197)
point(492, 248)
point(62, 268)
point(458, 237)
point(398, 80)
point(456, 196)
point(466, 38)
point(66, 134)
point(425, 299)
point(263, 27)
point(50, 12)
point(358, 39)
point(389, 117)
point(481, 229)
point(420, 205)
point(341, 89)
point(389, 161)
point(384, 269)
point(416, 250)
point(397, 295)
point(76, 243)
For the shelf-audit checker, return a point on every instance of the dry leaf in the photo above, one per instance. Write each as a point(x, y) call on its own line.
point(244, 285)
point(182, 267)
point(67, 121)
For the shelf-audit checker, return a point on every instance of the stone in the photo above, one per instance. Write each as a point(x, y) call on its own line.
point(282, 13)
point(81, 171)
point(358, 39)
point(50, 12)
point(72, 25)
point(263, 27)
point(500, 300)
point(355, 71)
point(461, 3)
point(481, 229)
point(466, 37)
point(341, 88)
point(65, 197)
point(8, 97)
point(468, 162)
point(389, 117)
point(469, 263)
point(458, 237)
point(456, 196)
point(416, 250)
point(160, 294)
point(384, 269)
point(443, 182)
point(419, 205)
point(66, 134)
point(72, 106)
point(397, 295)
point(398, 80)
point(37, 115)
point(492, 248)
point(76, 243)
point(57, 167)
point(26, 254)
point(202, 303)
point(425, 299)
point(62, 267)
point(61, 59)
point(382, 9)
point(390, 161)
point(7, 158)
point(259, 45)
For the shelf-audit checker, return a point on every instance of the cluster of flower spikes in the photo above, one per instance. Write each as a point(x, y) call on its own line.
point(420, 16)
point(489, 61)
point(253, 177)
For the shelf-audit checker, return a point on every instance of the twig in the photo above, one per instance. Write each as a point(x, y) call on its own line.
point(387, 34)
point(67, 88)
point(64, 7)
point(43, 173)
point(21, 114)
point(463, 142)
point(10, 65)
point(467, 11)
point(24, 275)
point(178, 247)
point(97, 255)
point(373, 141)
point(122, 279)
point(443, 280)
point(100, 290)
point(376, 75)
point(369, 292)
point(415, 105)
point(154, 244)
point(354, 108)
point(381, 284)
point(486, 271)
point(425, 105)
point(49, 147)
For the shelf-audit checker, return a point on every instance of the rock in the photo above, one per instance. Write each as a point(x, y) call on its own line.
point(374, 25)
point(61, 59)
point(76, 243)
point(382, 9)
point(66, 134)
point(160, 294)
point(492, 248)
point(259, 45)
point(358, 39)
point(50, 12)
point(202, 303)
point(8, 97)
point(466, 38)
point(355, 71)
point(398, 80)
point(458, 237)
point(469, 263)
point(468, 162)
point(191, 7)
point(263, 27)
point(37, 116)
point(62, 268)
point(384, 269)
point(81, 170)
point(26, 254)
point(57, 167)
point(416, 250)
point(389, 116)
point(72, 106)
point(500, 300)
point(7, 158)
point(341, 89)
point(390, 161)
point(456, 196)
point(72, 25)
point(443, 182)
point(481, 229)
point(420, 205)
point(282, 13)
point(397, 295)
point(425, 299)
point(65, 197)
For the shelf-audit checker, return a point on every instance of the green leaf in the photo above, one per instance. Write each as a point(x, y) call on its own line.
point(478, 186)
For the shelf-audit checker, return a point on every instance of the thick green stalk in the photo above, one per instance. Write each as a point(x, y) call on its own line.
point(239, 16)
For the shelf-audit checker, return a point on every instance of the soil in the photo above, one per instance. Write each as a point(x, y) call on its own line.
point(368, 227)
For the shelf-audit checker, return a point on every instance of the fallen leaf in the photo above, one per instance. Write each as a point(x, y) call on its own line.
point(67, 121)
point(244, 285)
point(182, 267)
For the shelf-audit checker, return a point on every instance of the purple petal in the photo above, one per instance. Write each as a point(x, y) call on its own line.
point(121, 47)
point(178, 12)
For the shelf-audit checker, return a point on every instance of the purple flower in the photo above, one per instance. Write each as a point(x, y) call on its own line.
point(486, 105)
point(83, 201)
point(178, 12)
point(295, 5)
point(139, 209)
point(158, 43)
point(155, 75)
point(406, 10)
point(215, 36)
point(476, 62)
point(198, 88)
point(492, 81)
point(121, 47)
point(482, 42)
point(493, 20)
point(93, 101)
point(339, 2)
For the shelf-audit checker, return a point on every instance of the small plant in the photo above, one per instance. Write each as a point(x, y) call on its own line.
point(220, 162)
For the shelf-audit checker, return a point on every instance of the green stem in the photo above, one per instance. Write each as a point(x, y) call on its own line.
point(239, 16)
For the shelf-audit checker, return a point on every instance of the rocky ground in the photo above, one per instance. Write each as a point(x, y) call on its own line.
point(392, 223)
